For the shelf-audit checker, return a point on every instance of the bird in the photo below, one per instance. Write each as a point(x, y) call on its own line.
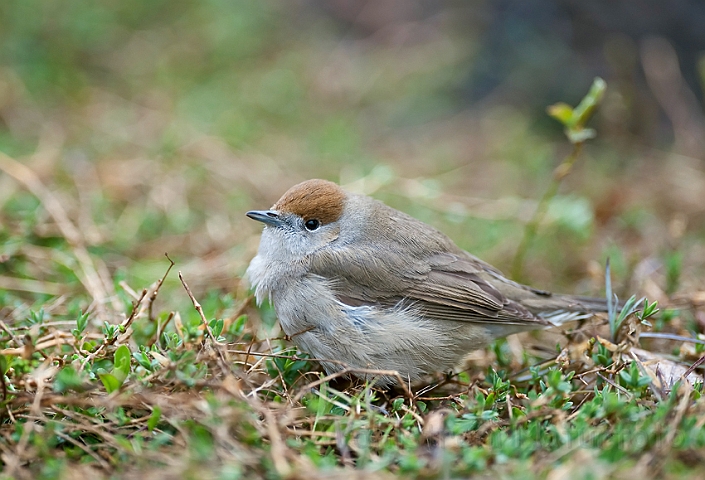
point(363, 287)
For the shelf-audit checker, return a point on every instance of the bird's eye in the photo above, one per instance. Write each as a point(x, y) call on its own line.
point(312, 224)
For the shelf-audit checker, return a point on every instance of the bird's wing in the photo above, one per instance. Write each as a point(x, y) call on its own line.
point(444, 286)
point(458, 288)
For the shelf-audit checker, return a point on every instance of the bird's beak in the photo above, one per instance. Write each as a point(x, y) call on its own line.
point(268, 217)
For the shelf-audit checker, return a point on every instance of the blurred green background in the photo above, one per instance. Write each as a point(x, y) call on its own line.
point(158, 124)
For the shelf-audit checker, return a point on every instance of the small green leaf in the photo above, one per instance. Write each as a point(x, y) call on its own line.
point(632, 378)
point(110, 330)
point(589, 103)
point(154, 418)
point(216, 326)
point(121, 367)
point(81, 323)
point(561, 112)
point(36, 318)
point(649, 309)
point(574, 119)
point(110, 382)
point(143, 359)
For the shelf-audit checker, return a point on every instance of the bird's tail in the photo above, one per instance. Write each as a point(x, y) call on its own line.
point(591, 304)
point(559, 309)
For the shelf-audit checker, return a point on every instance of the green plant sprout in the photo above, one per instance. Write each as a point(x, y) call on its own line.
point(574, 120)
point(631, 306)
point(113, 381)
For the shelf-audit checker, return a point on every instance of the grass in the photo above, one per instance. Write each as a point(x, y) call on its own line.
point(148, 132)
point(213, 391)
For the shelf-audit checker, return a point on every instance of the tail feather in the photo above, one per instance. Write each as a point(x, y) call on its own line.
point(588, 304)
point(559, 317)
point(559, 309)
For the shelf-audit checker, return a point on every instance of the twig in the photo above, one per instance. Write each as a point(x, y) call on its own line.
point(111, 341)
point(671, 336)
point(692, 368)
point(153, 296)
point(618, 387)
point(418, 418)
point(55, 342)
point(216, 345)
point(128, 322)
point(10, 333)
point(198, 308)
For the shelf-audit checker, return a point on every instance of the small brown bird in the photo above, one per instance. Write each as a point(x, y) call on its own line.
point(355, 281)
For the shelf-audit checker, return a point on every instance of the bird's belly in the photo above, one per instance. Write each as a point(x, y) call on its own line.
point(371, 338)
